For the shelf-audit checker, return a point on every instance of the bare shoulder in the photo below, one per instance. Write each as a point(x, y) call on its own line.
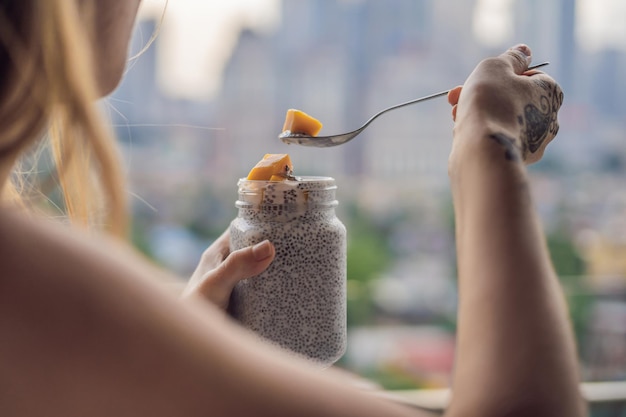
point(36, 252)
point(29, 245)
point(23, 233)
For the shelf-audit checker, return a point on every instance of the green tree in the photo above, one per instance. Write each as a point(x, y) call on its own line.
point(570, 267)
point(368, 256)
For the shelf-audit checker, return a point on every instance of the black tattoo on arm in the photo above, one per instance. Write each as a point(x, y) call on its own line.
point(512, 151)
point(540, 122)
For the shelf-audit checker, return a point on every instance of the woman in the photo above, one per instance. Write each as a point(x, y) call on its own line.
point(85, 331)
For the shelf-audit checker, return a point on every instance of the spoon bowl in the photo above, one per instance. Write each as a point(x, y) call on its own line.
point(334, 140)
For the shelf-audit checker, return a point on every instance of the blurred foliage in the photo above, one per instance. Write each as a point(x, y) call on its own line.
point(565, 257)
point(211, 212)
point(570, 267)
point(139, 236)
point(368, 256)
point(393, 378)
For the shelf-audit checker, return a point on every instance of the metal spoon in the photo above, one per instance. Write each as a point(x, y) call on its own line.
point(334, 140)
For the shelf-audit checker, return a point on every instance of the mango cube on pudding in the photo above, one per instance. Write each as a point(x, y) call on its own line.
point(298, 122)
point(273, 167)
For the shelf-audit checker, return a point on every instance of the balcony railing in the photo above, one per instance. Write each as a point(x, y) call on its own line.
point(606, 399)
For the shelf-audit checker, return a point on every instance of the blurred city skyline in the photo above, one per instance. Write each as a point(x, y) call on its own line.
point(198, 36)
point(342, 61)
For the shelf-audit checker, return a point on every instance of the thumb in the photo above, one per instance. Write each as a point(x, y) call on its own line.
point(246, 263)
point(217, 284)
point(519, 57)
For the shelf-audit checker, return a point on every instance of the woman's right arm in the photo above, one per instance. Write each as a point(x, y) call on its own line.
point(515, 350)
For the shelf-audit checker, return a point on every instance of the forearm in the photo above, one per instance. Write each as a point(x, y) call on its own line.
point(514, 335)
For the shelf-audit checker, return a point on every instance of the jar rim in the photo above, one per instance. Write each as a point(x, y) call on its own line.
point(303, 178)
point(306, 191)
point(308, 183)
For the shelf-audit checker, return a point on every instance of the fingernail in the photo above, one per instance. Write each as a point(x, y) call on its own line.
point(523, 49)
point(262, 250)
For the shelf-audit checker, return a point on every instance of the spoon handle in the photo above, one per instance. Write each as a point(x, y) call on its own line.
point(431, 96)
point(406, 103)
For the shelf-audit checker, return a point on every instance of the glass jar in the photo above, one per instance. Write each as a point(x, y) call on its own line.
point(299, 302)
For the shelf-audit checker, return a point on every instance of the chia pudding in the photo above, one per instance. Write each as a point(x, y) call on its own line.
point(299, 302)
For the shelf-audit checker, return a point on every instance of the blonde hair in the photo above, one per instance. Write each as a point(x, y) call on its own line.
point(49, 85)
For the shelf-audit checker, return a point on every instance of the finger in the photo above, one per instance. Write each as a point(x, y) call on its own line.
point(549, 88)
point(224, 239)
point(532, 72)
point(244, 263)
point(454, 94)
point(215, 254)
point(519, 57)
point(454, 113)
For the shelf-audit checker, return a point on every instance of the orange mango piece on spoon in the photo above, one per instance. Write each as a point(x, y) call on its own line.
point(298, 121)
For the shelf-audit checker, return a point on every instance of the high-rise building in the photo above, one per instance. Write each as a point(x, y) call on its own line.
point(549, 28)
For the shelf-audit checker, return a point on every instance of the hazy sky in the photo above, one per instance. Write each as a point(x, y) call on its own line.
point(197, 35)
point(599, 22)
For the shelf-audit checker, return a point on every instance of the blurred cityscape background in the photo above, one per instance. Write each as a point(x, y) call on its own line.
point(342, 61)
